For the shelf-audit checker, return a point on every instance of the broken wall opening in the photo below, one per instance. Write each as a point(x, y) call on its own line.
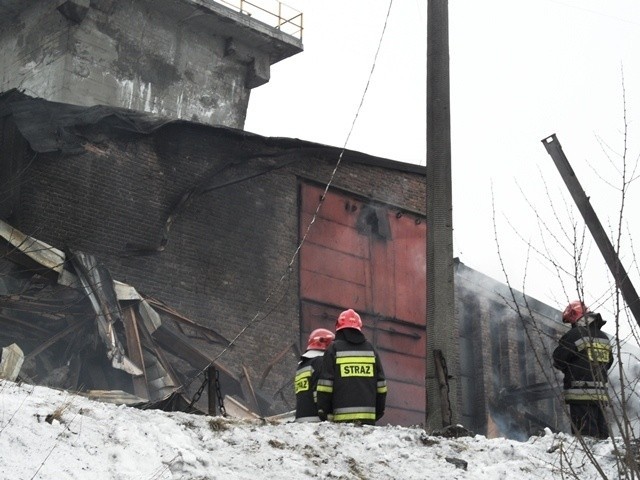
point(80, 330)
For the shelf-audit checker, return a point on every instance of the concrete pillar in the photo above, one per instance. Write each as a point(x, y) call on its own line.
point(442, 331)
point(179, 59)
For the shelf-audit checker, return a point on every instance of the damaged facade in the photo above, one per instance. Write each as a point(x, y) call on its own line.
point(78, 329)
point(509, 385)
point(189, 59)
point(208, 220)
point(139, 251)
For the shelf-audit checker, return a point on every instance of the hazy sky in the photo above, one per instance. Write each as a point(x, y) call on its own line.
point(521, 70)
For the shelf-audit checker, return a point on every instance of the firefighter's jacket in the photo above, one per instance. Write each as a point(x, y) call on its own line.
point(305, 386)
point(352, 386)
point(584, 356)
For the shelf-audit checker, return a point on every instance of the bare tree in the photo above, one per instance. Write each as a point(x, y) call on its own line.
point(564, 248)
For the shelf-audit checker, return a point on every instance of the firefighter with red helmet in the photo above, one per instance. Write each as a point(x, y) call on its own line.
point(307, 375)
point(352, 385)
point(584, 357)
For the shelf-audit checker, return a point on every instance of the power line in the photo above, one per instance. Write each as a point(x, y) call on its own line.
point(287, 273)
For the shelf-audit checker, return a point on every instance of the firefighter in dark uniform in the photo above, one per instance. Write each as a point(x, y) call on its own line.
point(584, 356)
point(307, 375)
point(352, 386)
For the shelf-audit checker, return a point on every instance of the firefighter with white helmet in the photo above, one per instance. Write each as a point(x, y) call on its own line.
point(584, 357)
point(352, 385)
point(307, 375)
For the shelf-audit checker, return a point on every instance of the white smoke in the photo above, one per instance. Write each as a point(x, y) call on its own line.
point(627, 390)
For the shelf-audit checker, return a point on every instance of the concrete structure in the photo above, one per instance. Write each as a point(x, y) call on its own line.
point(442, 334)
point(183, 59)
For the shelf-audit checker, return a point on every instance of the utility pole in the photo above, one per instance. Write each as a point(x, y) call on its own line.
point(442, 352)
point(629, 294)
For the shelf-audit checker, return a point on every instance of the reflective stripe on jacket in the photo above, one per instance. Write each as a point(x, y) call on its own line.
point(586, 392)
point(305, 386)
point(352, 385)
point(584, 356)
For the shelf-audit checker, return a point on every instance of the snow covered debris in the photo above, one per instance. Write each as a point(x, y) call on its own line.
point(51, 434)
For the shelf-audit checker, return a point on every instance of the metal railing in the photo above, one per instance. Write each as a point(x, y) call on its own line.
point(271, 12)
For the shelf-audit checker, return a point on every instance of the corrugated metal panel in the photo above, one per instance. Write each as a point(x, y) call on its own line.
point(382, 278)
point(386, 277)
point(333, 258)
point(409, 235)
point(404, 405)
point(378, 272)
point(395, 336)
point(331, 233)
point(402, 348)
point(41, 252)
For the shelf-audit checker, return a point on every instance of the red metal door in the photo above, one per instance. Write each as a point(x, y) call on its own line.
point(371, 259)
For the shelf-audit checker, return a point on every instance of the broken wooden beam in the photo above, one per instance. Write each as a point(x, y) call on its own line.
point(43, 346)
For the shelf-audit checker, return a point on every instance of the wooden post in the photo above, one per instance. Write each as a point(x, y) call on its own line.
point(443, 382)
point(211, 390)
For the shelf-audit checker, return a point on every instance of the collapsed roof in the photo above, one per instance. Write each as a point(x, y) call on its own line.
point(76, 328)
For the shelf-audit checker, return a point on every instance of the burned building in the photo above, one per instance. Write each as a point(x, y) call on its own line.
point(260, 240)
point(224, 248)
point(211, 220)
point(510, 387)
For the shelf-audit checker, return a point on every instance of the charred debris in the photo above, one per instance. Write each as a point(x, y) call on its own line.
point(66, 324)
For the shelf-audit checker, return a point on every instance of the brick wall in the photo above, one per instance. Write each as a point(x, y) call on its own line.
point(225, 262)
point(504, 349)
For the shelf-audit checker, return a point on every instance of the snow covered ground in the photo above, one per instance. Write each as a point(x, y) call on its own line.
point(50, 434)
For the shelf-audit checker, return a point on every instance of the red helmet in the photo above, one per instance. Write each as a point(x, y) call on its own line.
point(349, 319)
point(574, 312)
point(320, 339)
